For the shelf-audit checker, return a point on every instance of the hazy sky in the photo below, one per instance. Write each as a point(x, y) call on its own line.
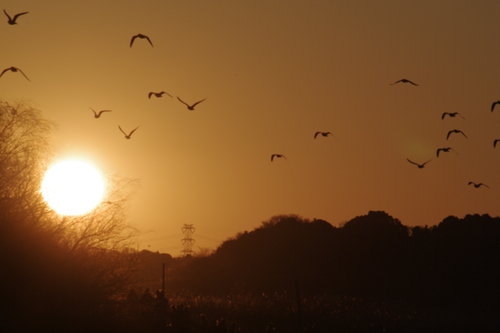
point(274, 72)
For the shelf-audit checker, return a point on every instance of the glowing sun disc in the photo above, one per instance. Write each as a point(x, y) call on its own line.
point(72, 187)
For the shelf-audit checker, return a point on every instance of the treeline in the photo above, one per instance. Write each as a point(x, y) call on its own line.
point(373, 256)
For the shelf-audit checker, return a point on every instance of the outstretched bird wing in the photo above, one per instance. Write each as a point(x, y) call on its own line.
point(122, 130)
point(315, 135)
point(8, 16)
point(23, 74)
point(182, 101)
point(412, 162)
point(17, 15)
point(197, 103)
point(135, 129)
point(132, 40)
point(5, 70)
point(493, 105)
point(149, 40)
point(100, 112)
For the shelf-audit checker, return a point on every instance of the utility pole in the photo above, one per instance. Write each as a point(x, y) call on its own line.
point(163, 279)
point(187, 241)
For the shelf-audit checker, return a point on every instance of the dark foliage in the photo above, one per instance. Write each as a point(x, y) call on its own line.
point(372, 256)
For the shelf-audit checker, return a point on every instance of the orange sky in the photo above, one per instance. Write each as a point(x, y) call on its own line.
point(274, 72)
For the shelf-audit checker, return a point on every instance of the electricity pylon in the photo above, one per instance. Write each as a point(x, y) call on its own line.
point(187, 241)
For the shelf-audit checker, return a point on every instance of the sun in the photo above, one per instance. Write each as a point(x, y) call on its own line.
point(72, 187)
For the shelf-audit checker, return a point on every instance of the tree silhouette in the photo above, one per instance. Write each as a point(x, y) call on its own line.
point(372, 256)
point(56, 271)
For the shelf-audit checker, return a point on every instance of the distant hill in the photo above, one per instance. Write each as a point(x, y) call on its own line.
point(373, 256)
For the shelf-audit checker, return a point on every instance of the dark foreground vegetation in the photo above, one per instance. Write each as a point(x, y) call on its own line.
point(371, 274)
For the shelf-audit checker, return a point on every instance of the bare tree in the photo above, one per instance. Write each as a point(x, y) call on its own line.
point(84, 260)
point(24, 151)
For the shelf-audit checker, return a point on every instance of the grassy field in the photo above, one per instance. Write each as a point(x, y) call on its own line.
point(187, 312)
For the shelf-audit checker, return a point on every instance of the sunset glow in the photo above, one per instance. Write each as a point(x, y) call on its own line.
point(72, 187)
point(388, 80)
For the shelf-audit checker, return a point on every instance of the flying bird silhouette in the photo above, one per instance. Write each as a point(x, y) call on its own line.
point(452, 115)
point(14, 69)
point(420, 166)
point(278, 156)
point(495, 142)
point(404, 81)
point(190, 107)
point(98, 114)
point(446, 150)
point(478, 185)
point(158, 94)
point(127, 136)
point(493, 105)
point(12, 21)
point(142, 37)
point(455, 131)
point(325, 134)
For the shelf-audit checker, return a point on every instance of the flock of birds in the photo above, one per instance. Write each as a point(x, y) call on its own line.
point(454, 131)
point(97, 114)
point(160, 94)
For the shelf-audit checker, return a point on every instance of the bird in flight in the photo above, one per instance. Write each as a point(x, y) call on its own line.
point(278, 156)
point(325, 134)
point(446, 150)
point(495, 142)
point(455, 131)
point(190, 107)
point(14, 69)
point(12, 21)
point(478, 185)
point(142, 37)
point(493, 105)
point(127, 136)
point(451, 114)
point(98, 114)
point(158, 94)
point(420, 166)
point(404, 81)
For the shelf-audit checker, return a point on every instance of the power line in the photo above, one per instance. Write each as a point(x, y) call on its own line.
point(163, 238)
point(208, 238)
